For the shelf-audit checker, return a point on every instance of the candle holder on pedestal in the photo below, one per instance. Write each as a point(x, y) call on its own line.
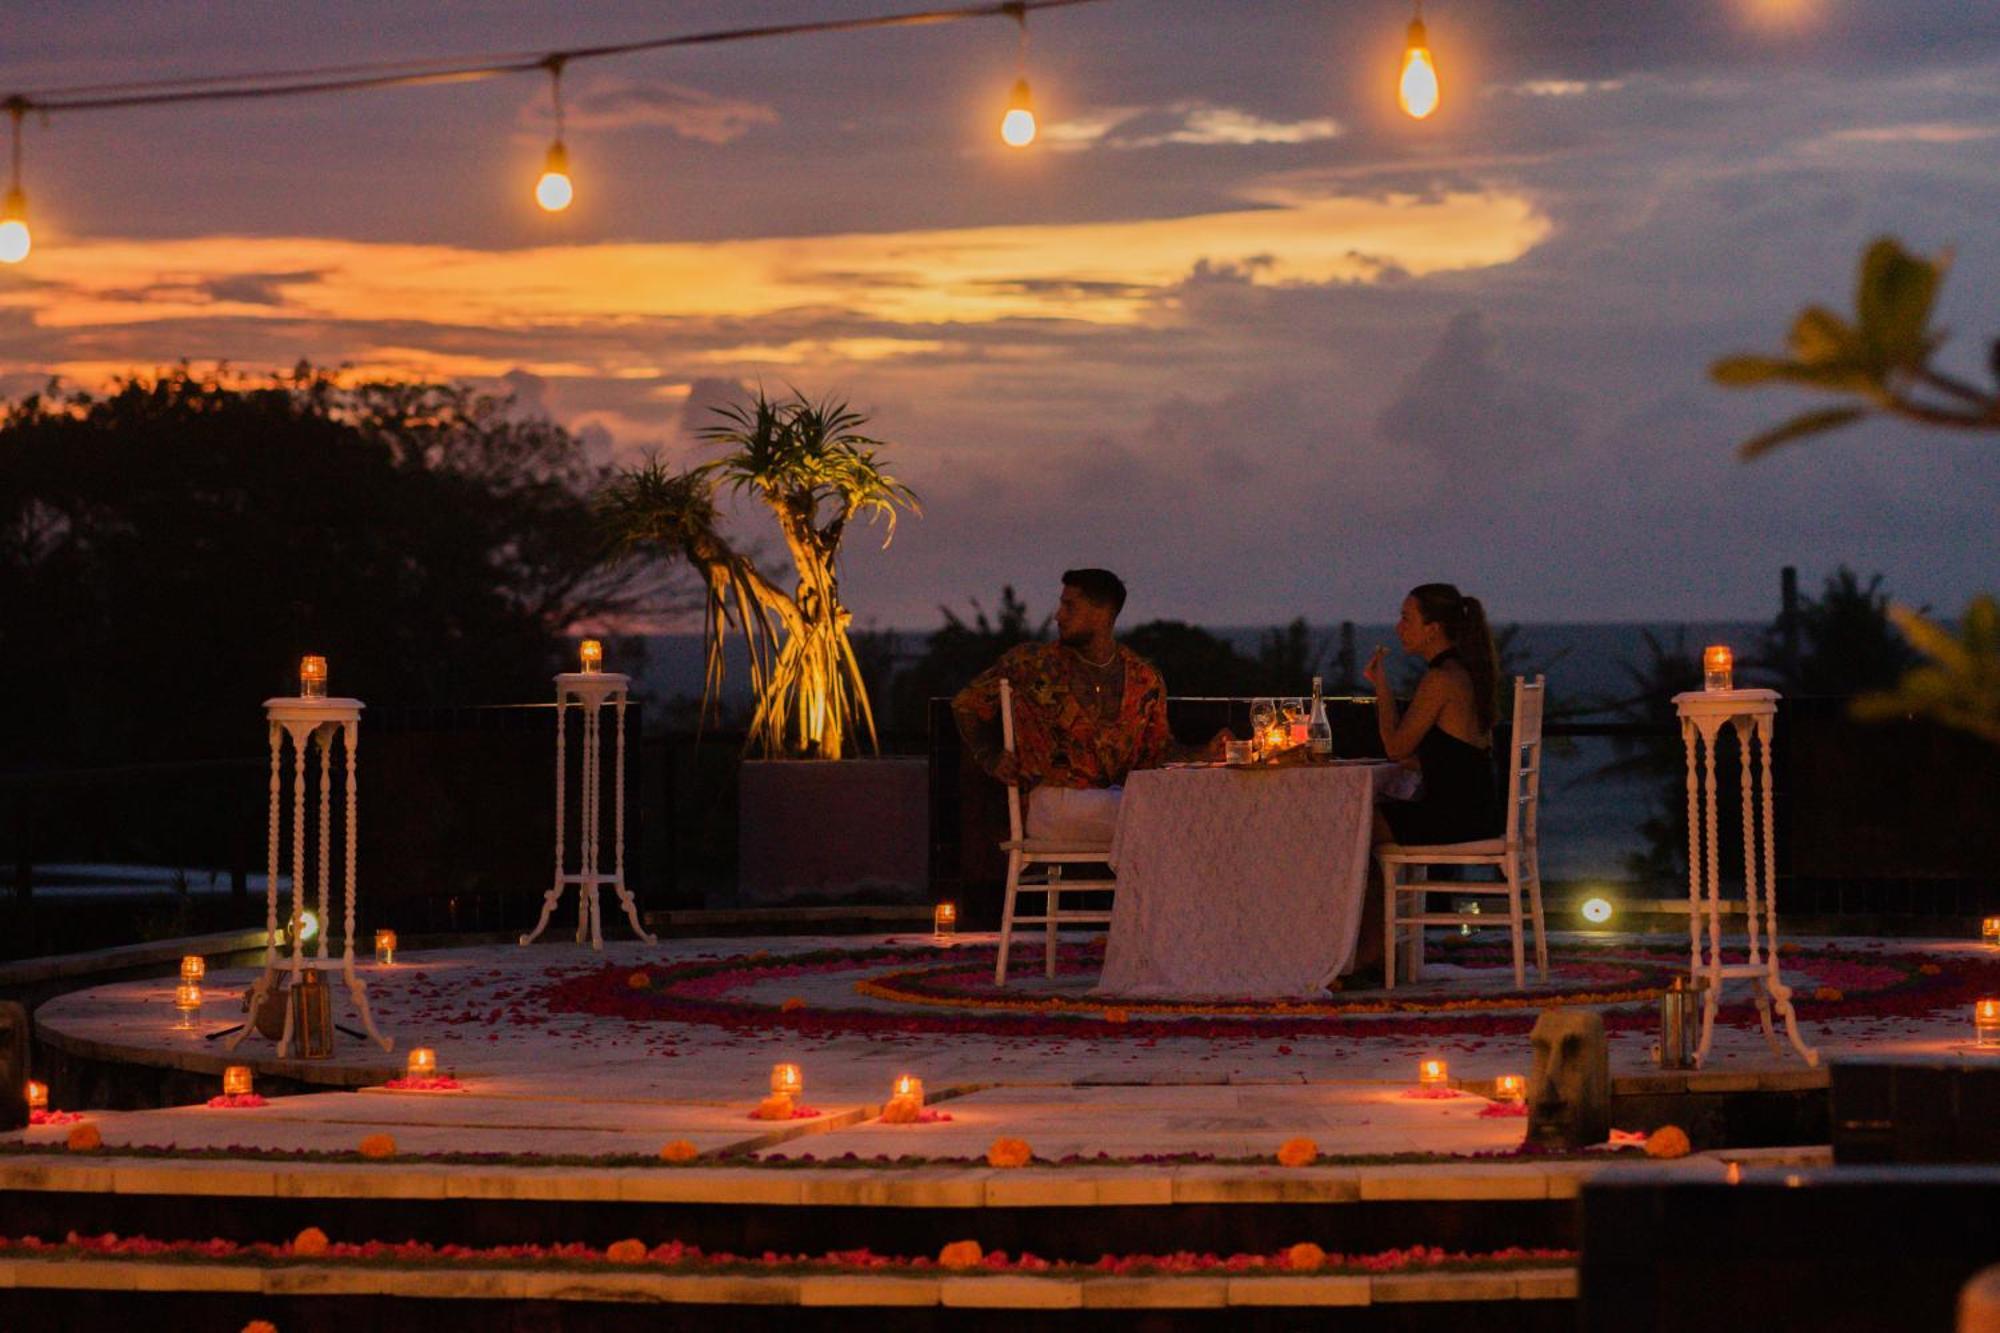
point(1752, 714)
point(310, 722)
point(591, 691)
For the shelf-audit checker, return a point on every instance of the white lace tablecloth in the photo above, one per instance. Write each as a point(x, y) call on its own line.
point(1238, 882)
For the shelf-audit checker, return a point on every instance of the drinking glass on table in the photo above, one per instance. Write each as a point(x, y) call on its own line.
point(1263, 716)
point(1294, 712)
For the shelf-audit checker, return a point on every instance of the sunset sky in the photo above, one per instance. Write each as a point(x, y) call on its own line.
point(1234, 327)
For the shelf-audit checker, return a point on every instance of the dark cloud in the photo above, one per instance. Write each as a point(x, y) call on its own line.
point(1464, 410)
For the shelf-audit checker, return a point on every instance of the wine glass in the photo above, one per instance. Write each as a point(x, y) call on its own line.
point(1263, 716)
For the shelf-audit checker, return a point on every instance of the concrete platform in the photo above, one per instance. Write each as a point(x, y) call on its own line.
point(557, 1084)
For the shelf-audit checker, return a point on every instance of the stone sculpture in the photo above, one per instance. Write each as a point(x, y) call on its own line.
point(1569, 1092)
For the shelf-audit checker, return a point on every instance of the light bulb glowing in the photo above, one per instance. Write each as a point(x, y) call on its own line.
point(1597, 911)
point(554, 191)
point(1017, 127)
point(1417, 91)
point(14, 239)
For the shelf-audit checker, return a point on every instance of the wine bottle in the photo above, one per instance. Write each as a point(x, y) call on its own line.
point(1319, 732)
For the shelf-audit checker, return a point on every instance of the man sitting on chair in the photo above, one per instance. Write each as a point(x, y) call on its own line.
point(1087, 711)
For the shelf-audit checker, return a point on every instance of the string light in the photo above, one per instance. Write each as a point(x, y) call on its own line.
point(1417, 91)
point(1017, 125)
point(15, 242)
point(554, 191)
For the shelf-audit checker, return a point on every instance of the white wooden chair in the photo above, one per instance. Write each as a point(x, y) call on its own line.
point(1036, 866)
point(1405, 870)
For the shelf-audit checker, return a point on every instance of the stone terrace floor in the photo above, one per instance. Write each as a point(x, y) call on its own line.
point(571, 1084)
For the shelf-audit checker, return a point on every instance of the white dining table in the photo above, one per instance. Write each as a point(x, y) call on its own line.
point(1239, 883)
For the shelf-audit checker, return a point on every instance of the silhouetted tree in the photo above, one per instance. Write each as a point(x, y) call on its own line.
point(169, 549)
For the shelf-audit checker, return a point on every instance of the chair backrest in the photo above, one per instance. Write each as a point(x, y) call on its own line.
point(1524, 759)
point(1014, 833)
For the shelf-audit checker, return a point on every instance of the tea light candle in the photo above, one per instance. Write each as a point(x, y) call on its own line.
point(944, 918)
point(1276, 738)
point(187, 999)
point(312, 678)
point(787, 1080)
point(593, 656)
point(385, 947)
point(236, 1081)
point(1717, 663)
point(38, 1096)
point(423, 1062)
point(1986, 1022)
point(909, 1085)
point(1430, 1073)
point(1511, 1088)
point(1990, 930)
point(193, 967)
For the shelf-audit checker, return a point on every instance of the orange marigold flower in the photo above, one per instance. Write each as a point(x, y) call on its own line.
point(1829, 995)
point(85, 1137)
point(260, 1326)
point(625, 1251)
point(792, 1003)
point(680, 1150)
point(777, 1106)
point(639, 981)
point(961, 1254)
point(1668, 1141)
point(904, 1110)
point(1009, 1152)
point(310, 1243)
point(1298, 1152)
point(378, 1145)
point(1929, 969)
point(1117, 1016)
point(1305, 1256)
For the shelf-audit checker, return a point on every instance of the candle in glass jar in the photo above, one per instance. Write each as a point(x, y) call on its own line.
point(385, 947)
point(787, 1080)
point(1430, 1073)
point(909, 1085)
point(38, 1096)
point(312, 678)
point(1986, 1022)
point(1511, 1088)
point(944, 919)
point(236, 1081)
point(1989, 929)
point(1717, 667)
point(187, 999)
point(423, 1063)
point(193, 967)
point(593, 656)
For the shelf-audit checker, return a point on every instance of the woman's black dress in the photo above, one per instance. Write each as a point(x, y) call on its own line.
point(1459, 801)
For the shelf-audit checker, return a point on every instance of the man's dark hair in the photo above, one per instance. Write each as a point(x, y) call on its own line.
point(1099, 585)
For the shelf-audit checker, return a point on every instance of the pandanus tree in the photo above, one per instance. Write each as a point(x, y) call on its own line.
point(809, 464)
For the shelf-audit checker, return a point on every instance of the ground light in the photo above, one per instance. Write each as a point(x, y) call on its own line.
point(1597, 911)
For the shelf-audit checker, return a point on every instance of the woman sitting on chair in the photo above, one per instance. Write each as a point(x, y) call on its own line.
point(1448, 728)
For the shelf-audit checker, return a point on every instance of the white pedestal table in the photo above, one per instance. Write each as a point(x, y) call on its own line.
point(310, 724)
point(1752, 714)
point(593, 692)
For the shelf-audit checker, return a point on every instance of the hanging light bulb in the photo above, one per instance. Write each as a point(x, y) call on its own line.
point(1417, 91)
point(553, 191)
point(14, 239)
point(1017, 126)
